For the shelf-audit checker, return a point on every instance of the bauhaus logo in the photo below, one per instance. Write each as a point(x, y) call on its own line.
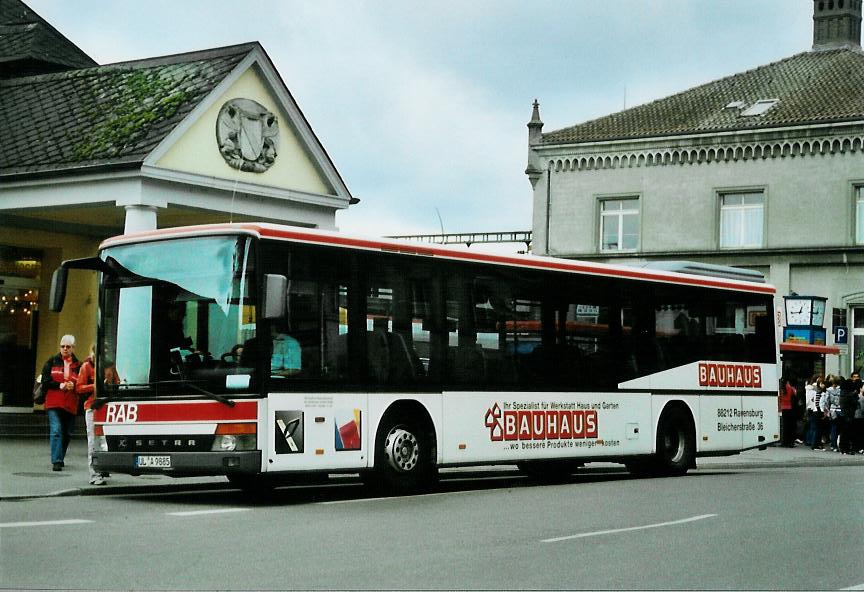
point(730, 375)
point(540, 424)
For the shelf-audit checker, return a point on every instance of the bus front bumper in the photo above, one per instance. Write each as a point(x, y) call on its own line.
point(178, 464)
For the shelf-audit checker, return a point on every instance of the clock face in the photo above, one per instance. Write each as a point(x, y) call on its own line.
point(818, 312)
point(798, 312)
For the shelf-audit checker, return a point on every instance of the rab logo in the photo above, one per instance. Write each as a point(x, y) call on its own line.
point(122, 413)
point(540, 425)
point(730, 375)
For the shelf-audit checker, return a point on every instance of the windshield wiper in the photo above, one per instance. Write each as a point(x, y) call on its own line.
point(99, 402)
point(210, 395)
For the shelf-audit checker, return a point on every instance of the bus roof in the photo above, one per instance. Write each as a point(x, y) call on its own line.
point(456, 253)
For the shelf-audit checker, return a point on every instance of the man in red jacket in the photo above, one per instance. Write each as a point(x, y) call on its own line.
point(59, 376)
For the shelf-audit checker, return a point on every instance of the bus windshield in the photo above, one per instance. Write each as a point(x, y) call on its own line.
point(174, 316)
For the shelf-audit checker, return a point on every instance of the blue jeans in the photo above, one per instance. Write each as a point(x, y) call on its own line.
point(814, 429)
point(60, 426)
point(835, 430)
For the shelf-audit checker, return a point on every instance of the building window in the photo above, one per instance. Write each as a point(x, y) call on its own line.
point(857, 338)
point(760, 107)
point(619, 224)
point(741, 219)
point(859, 214)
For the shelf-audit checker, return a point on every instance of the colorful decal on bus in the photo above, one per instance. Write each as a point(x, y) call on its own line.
point(289, 432)
point(347, 427)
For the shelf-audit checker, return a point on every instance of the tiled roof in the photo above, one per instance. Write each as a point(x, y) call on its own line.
point(812, 87)
point(110, 115)
point(28, 44)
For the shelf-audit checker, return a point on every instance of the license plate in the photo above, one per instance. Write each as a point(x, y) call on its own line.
point(153, 462)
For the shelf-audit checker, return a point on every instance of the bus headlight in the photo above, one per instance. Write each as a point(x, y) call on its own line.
point(227, 443)
point(233, 437)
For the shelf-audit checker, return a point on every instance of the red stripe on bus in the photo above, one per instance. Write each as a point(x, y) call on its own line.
point(562, 265)
point(146, 411)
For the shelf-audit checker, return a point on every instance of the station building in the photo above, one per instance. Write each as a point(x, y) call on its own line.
point(762, 170)
point(91, 151)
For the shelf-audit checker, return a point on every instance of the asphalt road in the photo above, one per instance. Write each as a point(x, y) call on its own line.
point(778, 529)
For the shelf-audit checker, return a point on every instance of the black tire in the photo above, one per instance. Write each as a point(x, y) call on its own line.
point(549, 471)
point(404, 457)
point(676, 443)
point(676, 448)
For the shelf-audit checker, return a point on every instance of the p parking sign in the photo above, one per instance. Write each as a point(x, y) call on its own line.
point(841, 335)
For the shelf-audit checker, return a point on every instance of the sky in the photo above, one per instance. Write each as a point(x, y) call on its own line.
point(423, 106)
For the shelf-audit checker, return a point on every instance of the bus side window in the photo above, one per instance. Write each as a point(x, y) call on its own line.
point(395, 308)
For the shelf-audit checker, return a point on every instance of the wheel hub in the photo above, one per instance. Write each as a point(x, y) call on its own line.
point(674, 445)
point(402, 450)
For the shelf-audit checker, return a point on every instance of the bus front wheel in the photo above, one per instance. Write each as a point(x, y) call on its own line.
point(404, 461)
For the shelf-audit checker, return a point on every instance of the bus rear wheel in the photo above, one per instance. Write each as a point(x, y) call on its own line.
point(404, 458)
point(676, 443)
point(676, 447)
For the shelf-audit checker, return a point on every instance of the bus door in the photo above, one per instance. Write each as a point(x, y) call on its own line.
point(311, 424)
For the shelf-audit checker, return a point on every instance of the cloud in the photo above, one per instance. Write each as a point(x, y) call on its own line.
point(408, 133)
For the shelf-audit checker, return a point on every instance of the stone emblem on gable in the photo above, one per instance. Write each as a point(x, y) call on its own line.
point(248, 135)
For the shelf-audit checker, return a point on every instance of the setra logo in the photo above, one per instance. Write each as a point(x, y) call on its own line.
point(122, 413)
point(537, 424)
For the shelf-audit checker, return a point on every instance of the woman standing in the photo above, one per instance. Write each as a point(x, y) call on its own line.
point(59, 377)
point(786, 403)
point(85, 388)
point(813, 396)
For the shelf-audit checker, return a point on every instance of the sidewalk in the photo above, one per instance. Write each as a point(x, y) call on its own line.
point(25, 469)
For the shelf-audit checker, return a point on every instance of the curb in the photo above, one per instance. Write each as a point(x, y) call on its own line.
point(120, 490)
point(792, 464)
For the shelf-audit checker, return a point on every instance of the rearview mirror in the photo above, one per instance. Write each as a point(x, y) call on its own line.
point(275, 290)
point(61, 275)
point(58, 289)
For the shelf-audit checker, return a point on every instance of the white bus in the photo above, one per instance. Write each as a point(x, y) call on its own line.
point(396, 359)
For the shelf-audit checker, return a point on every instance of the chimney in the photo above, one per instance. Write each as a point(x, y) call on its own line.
point(836, 24)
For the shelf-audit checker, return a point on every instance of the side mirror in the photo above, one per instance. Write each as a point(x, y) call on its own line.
point(275, 290)
point(61, 275)
point(58, 289)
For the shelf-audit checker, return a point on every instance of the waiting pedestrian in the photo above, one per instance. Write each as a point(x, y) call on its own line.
point(831, 405)
point(59, 377)
point(813, 397)
point(848, 406)
point(86, 388)
point(786, 403)
point(859, 422)
point(823, 416)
